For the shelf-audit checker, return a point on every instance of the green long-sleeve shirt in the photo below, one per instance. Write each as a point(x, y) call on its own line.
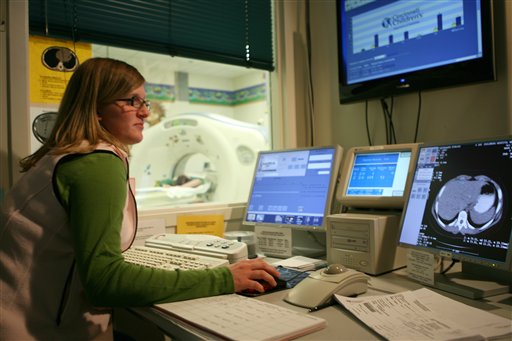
point(92, 189)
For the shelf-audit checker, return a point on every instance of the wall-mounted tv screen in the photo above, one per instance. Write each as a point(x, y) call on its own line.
point(391, 47)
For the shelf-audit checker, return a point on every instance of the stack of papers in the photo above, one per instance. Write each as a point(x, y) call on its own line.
point(302, 263)
point(426, 315)
point(240, 318)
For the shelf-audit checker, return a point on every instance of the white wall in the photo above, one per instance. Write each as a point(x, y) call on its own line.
point(466, 112)
point(15, 144)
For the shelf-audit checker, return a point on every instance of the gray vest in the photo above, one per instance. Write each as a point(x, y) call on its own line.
point(40, 247)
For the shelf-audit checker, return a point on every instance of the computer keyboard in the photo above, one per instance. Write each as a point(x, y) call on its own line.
point(170, 260)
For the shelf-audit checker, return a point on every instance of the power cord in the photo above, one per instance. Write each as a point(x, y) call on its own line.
point(418, 117)
point(443, 271)
point(388, 120)
point(367, 126)
point(387, 111)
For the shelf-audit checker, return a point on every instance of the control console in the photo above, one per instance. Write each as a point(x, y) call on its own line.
point(200, 244)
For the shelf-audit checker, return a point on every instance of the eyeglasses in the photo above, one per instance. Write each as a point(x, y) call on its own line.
point(136, 102)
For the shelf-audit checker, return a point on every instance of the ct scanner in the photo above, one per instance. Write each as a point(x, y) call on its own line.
point(216, 149)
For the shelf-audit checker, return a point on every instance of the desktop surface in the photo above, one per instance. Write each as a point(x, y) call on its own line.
point(341, 325)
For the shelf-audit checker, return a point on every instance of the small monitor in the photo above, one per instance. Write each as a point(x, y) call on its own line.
point(459, 205)
point(376, 177)
point(294, 188)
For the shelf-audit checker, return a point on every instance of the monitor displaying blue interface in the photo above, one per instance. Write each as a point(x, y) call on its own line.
point(376, 176)
point(459, 204)
point(397, 40)
point(294, 187)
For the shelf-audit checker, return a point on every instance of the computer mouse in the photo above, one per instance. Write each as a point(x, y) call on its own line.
point(319, 287)
point(334, 269)
point(268, 288)
point(280, 284)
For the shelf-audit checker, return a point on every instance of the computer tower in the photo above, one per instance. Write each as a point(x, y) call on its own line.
point(365, 242)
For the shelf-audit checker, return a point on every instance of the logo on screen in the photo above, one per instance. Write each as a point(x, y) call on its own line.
point(405, 18)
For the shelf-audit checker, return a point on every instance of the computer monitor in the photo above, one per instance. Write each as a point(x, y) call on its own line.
point(392, 47)
point(376, 177)
point(459, 207)
point(294, 188)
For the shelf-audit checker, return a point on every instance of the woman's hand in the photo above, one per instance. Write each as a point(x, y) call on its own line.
point(246, 274)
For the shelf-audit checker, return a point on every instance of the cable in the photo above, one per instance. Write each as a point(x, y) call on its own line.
point(73, 20)
point(392, 134)
point(310, 75)
point(315, 238)
point(384, 105)
point(449, 266)
point(388, 121)
point(367, 126)
point(418, 117)
point(391, 124)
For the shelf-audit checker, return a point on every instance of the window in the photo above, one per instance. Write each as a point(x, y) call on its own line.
point(206, 59)
point(235, 32)
point(207, 124)
point(208, 120)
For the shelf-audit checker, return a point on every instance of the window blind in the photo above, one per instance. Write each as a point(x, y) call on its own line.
point(236, 32)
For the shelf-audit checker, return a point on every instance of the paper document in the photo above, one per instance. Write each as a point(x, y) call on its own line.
point(425, 315)
point(240, 318)
point(302, 263)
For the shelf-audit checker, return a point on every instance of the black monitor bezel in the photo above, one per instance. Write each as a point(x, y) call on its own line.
point(507, 265)
point(456, 74)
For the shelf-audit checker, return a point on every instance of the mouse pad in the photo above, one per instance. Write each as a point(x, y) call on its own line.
point(291, 276)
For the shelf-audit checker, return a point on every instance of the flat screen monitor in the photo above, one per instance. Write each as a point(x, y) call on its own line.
point(294, 188)
point(459, 205)
point(391, 47)
point(376, 177)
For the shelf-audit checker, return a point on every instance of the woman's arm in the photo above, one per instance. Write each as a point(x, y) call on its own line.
point(92, 188)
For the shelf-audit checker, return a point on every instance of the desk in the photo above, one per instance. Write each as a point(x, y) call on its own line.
point(341, 325)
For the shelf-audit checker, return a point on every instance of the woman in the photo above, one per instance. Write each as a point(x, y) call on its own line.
point(68, 219)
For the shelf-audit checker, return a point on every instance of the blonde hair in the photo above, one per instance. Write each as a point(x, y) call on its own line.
point(96, 82)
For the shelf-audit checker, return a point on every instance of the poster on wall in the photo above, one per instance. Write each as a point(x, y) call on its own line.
point(52, 62)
